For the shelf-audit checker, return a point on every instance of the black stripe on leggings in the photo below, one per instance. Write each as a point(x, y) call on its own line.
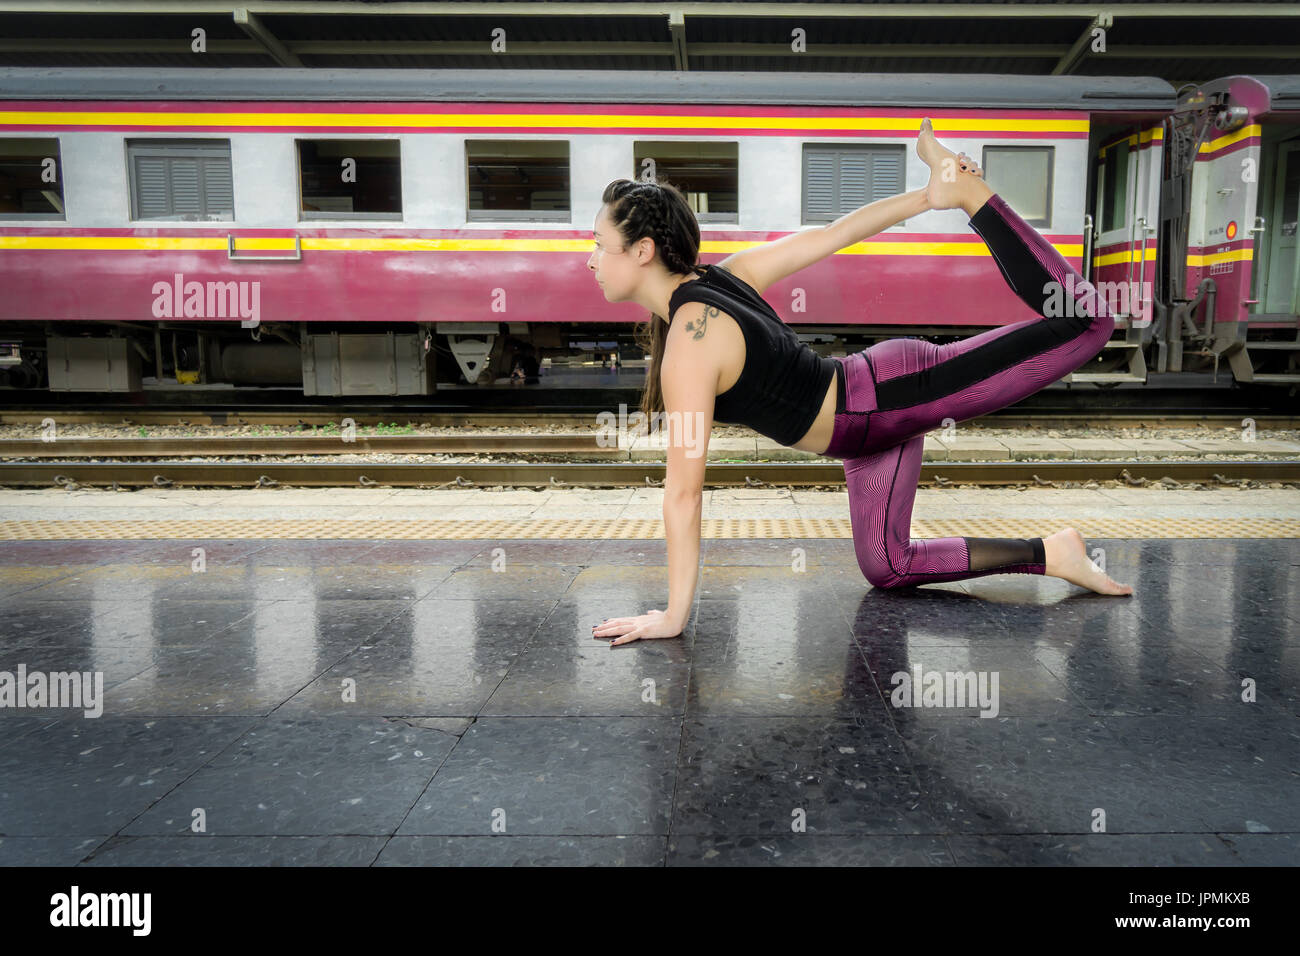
point(967, 368)
point(1026, 276)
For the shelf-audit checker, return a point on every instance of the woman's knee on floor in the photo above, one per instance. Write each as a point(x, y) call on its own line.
point(878, 572)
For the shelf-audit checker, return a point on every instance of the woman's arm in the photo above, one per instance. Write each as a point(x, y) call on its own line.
point(772, 261)
point(689, 380)
point(682, 530)
point(688, 376)
point(865, 221)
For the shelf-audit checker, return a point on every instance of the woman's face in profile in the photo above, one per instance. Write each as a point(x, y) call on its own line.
point(609, 260)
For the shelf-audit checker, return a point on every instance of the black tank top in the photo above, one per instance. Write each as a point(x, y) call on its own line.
point(781, 387)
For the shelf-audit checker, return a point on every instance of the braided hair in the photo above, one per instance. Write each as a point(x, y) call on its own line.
point(655, 210)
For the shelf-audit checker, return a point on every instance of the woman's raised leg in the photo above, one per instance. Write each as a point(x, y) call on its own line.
point(917, 385)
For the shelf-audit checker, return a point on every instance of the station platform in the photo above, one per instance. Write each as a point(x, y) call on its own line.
point(981, 445)
point(406, 677)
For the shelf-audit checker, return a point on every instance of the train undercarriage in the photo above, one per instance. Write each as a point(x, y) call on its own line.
point(416, 359)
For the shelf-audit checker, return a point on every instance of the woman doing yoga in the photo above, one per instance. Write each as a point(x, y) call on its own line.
point(719, 352)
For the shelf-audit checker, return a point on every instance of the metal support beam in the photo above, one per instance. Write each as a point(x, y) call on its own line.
point(663, 48)
point(677, 25)
point(1067, 63)
point(252, 24)
point(1215, 10)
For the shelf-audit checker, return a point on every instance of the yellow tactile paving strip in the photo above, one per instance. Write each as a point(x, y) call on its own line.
point(255, 529)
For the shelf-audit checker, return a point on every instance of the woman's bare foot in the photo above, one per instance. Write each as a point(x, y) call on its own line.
point(951, 175)
point(1067, 558)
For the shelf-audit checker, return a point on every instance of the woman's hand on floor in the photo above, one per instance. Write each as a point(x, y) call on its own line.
point(625, 630)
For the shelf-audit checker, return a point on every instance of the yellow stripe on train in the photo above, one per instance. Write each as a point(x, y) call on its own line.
point(1227, 139)
point(1193, 259)
point(978, 123)
point(486, 244)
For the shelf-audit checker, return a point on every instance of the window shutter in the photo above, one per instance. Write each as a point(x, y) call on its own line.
point(853, 181)
point(886, 175)
point(186, 199)
point(181, 180)
point(844, 178)
point(218, 190)
point(153, 198)
point(821, 184)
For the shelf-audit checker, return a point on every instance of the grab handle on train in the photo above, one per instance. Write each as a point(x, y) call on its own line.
point(1142, 275)
point(296, 257)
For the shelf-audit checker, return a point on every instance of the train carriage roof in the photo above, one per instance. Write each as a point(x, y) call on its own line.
point(1284, 91)
point(924, 90)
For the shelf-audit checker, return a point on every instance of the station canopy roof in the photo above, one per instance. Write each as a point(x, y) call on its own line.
point(1180, 42)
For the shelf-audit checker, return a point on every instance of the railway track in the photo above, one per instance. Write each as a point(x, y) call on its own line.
point(583, 444)
point(548, 460)
point(621, 474)
point(1187, 398)
point(293, 445)
point(369, 419)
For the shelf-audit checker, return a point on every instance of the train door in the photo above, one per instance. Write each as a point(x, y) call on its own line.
point(1119, 260)
point(1128, 189)
point(1146, 212)
point(1117, 180)
point(1281, 280)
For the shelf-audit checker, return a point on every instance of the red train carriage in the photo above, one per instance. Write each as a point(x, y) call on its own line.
point(388, 232)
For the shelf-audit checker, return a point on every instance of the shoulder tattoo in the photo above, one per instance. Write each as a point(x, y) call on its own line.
point(702, 326)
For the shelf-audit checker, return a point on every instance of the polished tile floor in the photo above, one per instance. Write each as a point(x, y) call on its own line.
point(443, 702)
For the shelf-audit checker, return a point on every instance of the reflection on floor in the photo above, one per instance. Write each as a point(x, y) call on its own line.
point(443, 702)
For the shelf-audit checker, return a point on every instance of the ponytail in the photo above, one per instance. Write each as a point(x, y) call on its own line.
point(657, 210)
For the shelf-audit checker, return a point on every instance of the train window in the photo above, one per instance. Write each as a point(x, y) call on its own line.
point(181, 179)
point(706, 173)
point(31, 179)
point(350, 178)
point(1115, 186)
point(517, 179)
point(1290, 194)
point(1022, 176)
point(840, 177)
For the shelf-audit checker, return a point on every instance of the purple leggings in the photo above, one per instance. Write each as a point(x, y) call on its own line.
point(892, 393)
